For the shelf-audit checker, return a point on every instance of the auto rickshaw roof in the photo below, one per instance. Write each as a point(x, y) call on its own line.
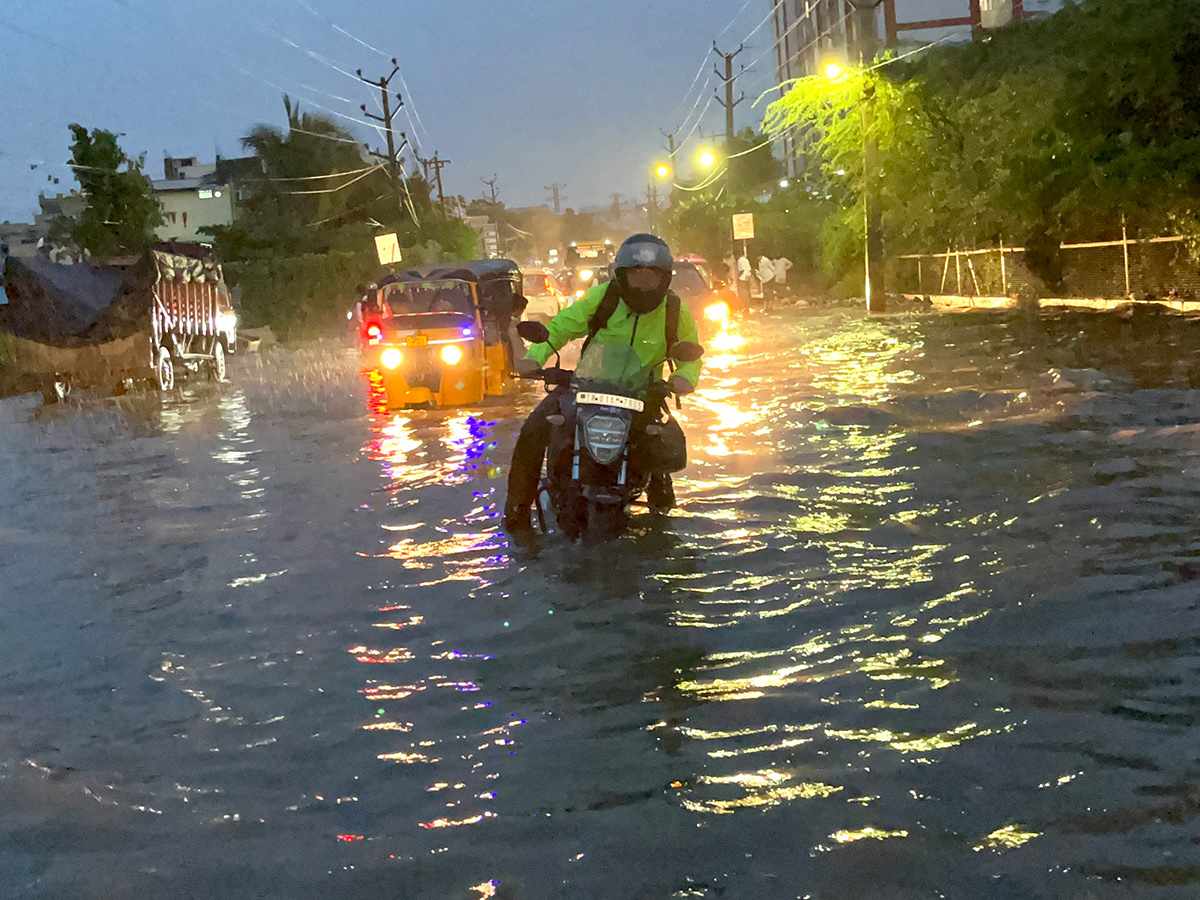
point(473, 270)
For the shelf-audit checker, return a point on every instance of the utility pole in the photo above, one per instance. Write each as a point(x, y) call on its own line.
point(437, 165)
point(728, 77)
point(868, 37)
point(554, 189)
point(652, 203)
point(492, 185)
point(389, 114)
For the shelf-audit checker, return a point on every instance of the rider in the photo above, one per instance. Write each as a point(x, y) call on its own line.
point(640, 317)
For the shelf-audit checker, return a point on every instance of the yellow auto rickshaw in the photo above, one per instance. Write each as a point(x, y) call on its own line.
point(446, 341)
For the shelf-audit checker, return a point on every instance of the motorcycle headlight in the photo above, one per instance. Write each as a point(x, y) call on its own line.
point(604, 437)
point(451, 355)
point(717, 312)
point(226, 320)
point(391, 358)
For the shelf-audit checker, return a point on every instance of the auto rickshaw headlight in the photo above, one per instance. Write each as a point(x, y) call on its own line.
point(717, 312)
point(391, 358)
point(586, 274)
point(451, 355)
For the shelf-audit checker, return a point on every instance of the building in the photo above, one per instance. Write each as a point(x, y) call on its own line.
point(196, 195)
point(19, 239)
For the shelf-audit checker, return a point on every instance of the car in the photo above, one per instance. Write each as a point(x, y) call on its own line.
point(712, 308)
point(545, 295)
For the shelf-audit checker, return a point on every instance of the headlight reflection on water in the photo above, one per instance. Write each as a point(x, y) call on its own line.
point(844, 499)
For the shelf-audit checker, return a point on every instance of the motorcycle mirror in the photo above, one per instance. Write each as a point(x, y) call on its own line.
point(533, 332)
point(686, 351)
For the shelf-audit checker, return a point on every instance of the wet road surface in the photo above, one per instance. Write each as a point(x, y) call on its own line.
point(925, 626)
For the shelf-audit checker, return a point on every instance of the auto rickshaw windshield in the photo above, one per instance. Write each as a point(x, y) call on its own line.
point(431, 297)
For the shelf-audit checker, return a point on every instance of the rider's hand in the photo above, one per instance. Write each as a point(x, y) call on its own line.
point(680, 385)
point(527, 367)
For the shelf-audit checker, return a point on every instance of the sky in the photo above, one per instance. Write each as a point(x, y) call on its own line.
point(530, 92)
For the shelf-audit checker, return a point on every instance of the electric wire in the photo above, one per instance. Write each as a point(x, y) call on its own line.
point(334, 190)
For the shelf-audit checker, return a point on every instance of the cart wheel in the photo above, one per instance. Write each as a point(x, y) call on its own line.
point(164, 370)
point(217, 367)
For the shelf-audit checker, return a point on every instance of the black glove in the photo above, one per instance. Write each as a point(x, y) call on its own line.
point(680, 385)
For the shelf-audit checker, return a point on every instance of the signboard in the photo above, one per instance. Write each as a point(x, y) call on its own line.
point(491, 240)
point(995, 13)
point(743, 226)
point(388, 248)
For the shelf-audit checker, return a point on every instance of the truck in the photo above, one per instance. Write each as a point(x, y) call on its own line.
point(150, 318)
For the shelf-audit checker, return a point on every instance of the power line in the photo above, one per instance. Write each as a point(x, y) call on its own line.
point(334, 190)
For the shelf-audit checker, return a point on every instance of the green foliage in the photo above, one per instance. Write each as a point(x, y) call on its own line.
point(300, 296)
point(753, 168)
point(1045, 130)
point(122, 211)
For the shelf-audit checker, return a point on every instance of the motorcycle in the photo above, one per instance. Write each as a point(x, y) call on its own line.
point(612, 407)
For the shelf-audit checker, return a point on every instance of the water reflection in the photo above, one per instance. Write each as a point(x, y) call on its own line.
point(924, 624)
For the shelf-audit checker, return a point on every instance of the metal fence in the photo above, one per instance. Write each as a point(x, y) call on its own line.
point(1160, 268)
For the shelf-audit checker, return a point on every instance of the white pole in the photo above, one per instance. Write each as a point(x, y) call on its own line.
point(1003, 274)
point(1125, 251)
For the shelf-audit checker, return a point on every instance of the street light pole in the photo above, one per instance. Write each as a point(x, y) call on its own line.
point(868, 39)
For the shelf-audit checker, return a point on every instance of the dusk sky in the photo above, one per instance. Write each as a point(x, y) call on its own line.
point(535, 92)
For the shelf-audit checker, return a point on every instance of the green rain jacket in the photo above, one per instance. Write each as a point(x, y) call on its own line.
point(647, 334)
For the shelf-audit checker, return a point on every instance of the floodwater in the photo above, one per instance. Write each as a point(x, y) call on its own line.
point(925, 626)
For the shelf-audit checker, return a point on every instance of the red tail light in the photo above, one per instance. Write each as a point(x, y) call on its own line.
point(374, 332)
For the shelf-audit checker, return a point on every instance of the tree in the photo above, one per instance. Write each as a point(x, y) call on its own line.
point(753, 167)
point(122, 210)
point(1045, 130)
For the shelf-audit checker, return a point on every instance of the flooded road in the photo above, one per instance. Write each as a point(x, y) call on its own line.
point(925, 626)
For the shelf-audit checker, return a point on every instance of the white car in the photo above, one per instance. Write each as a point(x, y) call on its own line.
point(545, 296)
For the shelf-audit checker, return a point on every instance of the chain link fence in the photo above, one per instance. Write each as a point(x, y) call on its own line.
point(1161, 268)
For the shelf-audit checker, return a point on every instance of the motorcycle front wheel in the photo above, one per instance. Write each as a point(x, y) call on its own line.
point(605, 521)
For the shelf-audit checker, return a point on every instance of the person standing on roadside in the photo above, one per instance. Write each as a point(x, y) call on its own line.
point(766, 277)
point(744, 273)
point(783, 265)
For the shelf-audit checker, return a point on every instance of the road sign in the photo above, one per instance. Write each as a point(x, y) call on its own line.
point(388, 248)
point(743, 226)
point(491, 240)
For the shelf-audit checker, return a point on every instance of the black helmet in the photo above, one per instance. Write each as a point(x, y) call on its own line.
point(643, 251)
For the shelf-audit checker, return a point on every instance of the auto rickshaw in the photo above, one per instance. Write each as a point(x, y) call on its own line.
point(446, 342)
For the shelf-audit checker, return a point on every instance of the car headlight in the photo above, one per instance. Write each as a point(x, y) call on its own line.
point(604, 437)
point(391, 358)
point(451, 355)
point(717, 312)
point(586, 274)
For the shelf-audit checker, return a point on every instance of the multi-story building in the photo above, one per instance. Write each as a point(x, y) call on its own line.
point(197, 195)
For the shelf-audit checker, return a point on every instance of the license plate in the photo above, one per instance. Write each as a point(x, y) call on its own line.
point(589, 398)
point(417, 340)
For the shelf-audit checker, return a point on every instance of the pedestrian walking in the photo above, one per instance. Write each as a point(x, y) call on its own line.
point(783, 265)
point(766, 276)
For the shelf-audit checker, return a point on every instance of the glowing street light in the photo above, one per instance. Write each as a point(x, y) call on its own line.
point(833, 71)
point(662, 170)
point(707, 159)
